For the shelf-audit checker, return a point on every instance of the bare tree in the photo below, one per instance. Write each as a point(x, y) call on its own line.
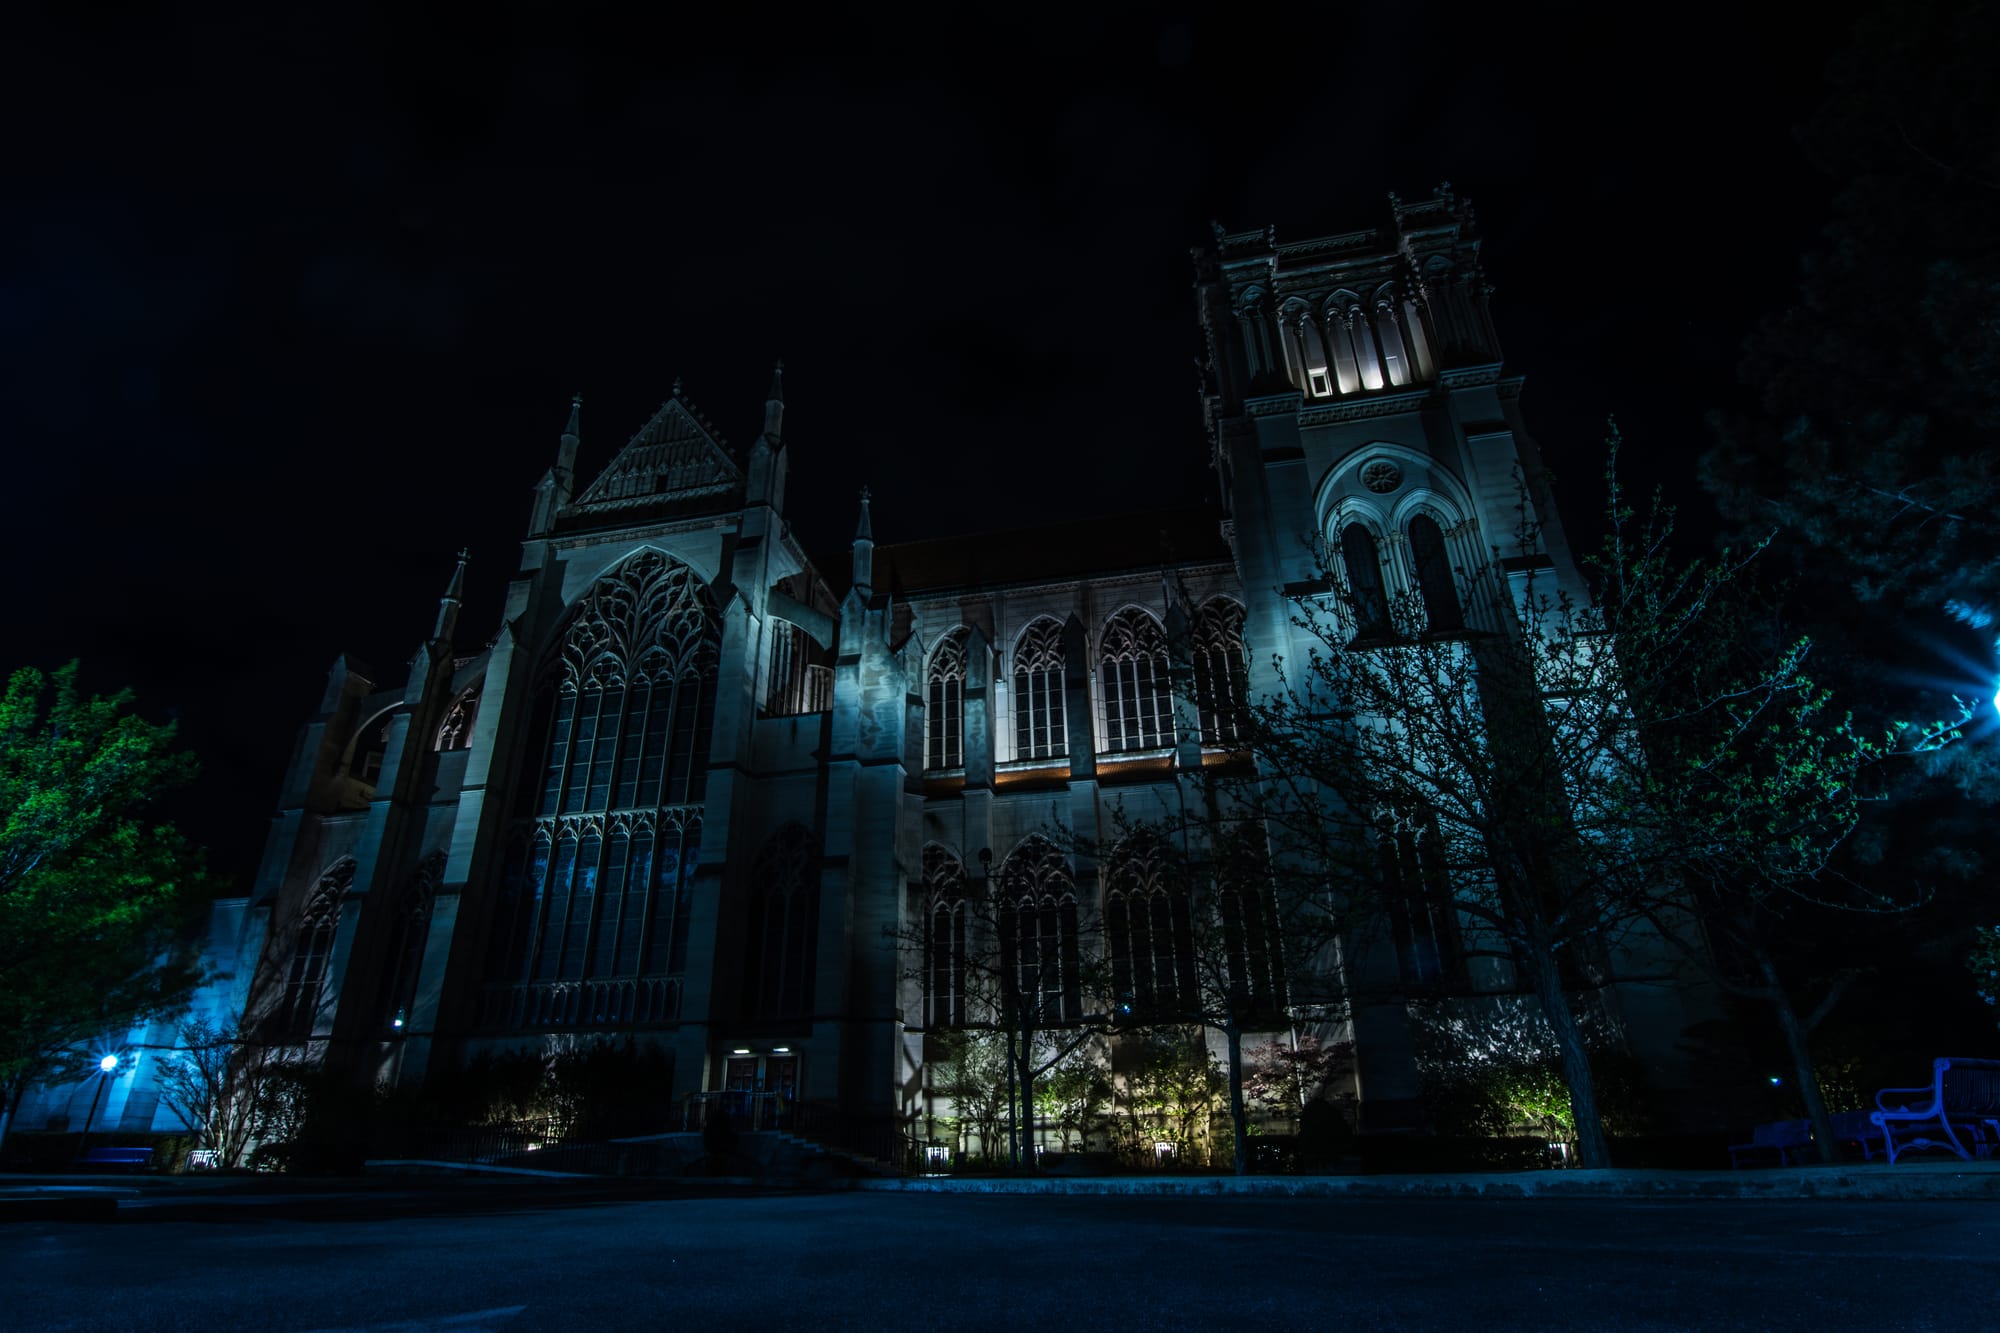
point(1564, 763)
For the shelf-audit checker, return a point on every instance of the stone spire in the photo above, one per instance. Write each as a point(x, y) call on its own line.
point(454, 593)
point(774, 407)
point(864, 549)
point(553, 491)
point(572, 440)
point(768, 466)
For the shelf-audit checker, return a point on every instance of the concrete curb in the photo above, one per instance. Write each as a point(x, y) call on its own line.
point(417, 1166)
point(1922, 1181)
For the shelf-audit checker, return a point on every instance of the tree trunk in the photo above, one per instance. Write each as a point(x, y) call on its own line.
point(1027, 1121)
point(1592, 1150)
point(1802, 1062)
point(1013, 1108)
point(10, 1099)
point(1238, 1122)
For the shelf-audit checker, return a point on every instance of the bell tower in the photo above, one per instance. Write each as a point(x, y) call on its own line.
point(1355, 393)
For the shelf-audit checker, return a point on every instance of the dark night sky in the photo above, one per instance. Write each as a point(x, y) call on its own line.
point(292, 306)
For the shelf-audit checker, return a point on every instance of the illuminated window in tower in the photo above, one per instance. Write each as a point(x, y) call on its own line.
point(944, 721)
point(1039, 728)
point(599, 877)
point(1221, 671)
point(1138, 687)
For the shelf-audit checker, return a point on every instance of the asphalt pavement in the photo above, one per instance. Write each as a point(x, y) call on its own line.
point(510, 1260)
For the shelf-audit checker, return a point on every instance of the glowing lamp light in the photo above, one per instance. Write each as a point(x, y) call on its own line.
point(781, 1050)
point(108, 1063)
point(740, 1050)
point(397, 1021)
point(1776, 1081)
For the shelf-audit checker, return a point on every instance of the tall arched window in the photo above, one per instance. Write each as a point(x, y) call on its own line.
point(406, 943)
point(1039, 728)
point(1221, 671)
point(1364, 582)
point(1434, 580)
point(1038, 934)
point(1422, 910)
point(304, 996)
point(944, 940)
point(784, 926)
point(1250, 939)
point(1138, 688)
point(944, 721)
point(1146, 914)
point(596, 882)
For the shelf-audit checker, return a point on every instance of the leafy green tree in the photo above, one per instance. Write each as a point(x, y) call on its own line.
point(1074, 1096)
point(95, 896)
point(1205, 927)
point(1174, 1091)
point(971, 1070)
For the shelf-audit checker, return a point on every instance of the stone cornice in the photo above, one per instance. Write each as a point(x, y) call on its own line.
point(1273, 404)
point(641, 532)
point(1360, 409)
point(1470, 377)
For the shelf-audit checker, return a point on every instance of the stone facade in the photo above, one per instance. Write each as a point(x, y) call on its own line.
point(688, 790)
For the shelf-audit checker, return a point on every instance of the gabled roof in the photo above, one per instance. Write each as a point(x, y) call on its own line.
point(676, 460)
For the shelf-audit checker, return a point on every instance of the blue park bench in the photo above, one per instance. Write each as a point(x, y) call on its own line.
point(1961, 1102)
point(126, 1159)
point(1783, 1137)
point(1789, 1137)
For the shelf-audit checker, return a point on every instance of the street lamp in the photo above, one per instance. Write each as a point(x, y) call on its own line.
point(105, 1069)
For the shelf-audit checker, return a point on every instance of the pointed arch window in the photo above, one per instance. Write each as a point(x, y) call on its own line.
point(784, 926)
point(1251, 944)
point(1369, 594)
point(944, 713)
point(1138, 689)
point(944, 939)
point(1434, 579)
point(1151, 929)
point(306, 992)
point(406, 944)
point(455, 732)
point(1422, 909)
point(599, 872)
point(1038, 934)
point(1039, 726)
point(1221, 672)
